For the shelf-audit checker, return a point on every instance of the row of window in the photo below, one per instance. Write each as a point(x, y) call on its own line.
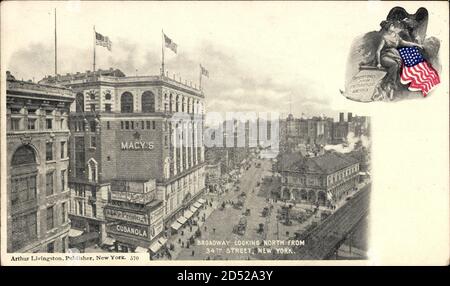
point(147, 103)
point(49, 185)
point(130, 125)
point(18, 124)
point(24, 227)
point(24, 189)
point(49, 151)
point(342, 174)
point(108, 107)
point(80, 208)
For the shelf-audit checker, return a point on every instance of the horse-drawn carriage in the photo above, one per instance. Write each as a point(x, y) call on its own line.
point(241, 226)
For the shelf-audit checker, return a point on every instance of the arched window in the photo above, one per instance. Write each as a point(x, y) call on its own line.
point(286, 194)
point(177, 103)
point(126, 102)
point(303, 195)
point(79, 102)
point(24, 155)
point(23, 181)
point(183, 104)
point(148, 102)
point(311, 196)
point(321, 197)
point(92, 165)
point(170, 103)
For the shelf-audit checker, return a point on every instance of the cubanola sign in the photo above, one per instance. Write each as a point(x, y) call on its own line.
point(137, 144)
point(131, 230)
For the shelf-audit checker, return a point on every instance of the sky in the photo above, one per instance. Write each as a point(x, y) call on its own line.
point(287, 57)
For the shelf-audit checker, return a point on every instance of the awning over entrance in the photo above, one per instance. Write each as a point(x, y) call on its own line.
point(176, 225)
point(197, 204)
point(109, 241)
point(188, 214)
point(155, 246)
point(158, 244)
point(162, 240)
point(83, 238)
point(182, 220)
point(75, 232)
point(140, 250)
point(202, 200)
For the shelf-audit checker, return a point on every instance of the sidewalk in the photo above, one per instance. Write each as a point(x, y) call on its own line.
point(188, 231)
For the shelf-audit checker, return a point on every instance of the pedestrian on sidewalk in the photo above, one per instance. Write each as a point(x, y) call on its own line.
point(214, 230)
point(193, 252)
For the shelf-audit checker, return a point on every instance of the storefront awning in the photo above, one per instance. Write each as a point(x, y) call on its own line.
point(176, 225)
point(109, 241)
point(182, 220)
point(158, 244)
point(193, 209)
point(155, 246)
point(202, 201)
point(83, 238)
point(197, 204)
point(140, 250)
point(75, 232)
point(162, 240)
point(188, 214)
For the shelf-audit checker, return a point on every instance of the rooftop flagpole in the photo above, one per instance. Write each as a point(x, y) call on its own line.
point(56, 49)
point(93, 66)
point(200, 80)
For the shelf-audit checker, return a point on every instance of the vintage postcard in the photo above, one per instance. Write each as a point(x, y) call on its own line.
point(224, 133)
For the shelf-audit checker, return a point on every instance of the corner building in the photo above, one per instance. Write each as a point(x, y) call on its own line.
point(37, 136)
point(123, 144)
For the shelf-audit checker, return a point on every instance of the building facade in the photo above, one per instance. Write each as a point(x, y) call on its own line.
point(320, 130)
point(323, 180)
point(124, 131)
point(37, 137)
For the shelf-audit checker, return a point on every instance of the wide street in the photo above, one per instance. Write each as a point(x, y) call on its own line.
point(219, 225)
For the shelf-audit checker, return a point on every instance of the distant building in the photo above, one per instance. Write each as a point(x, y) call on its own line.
point(37, 137)
point(231, 155)
point(123, 132)
point(322, 180)
point(320, 130)
point(213, 174)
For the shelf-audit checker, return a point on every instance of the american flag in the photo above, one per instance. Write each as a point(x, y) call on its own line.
point(103, 41)
point(170, 44)
point(417, 72)
point(204, 71)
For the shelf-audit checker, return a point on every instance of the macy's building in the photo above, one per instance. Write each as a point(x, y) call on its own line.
point(129, 180)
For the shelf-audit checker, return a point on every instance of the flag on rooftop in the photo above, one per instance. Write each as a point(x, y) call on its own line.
point(170, 44)
point(103, 41)
point(204, 71)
